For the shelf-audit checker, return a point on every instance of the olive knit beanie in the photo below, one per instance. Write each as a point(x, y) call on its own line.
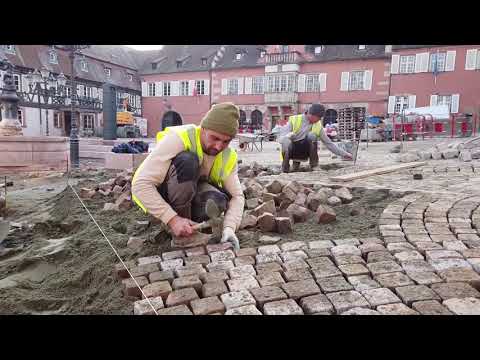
point(222, 118)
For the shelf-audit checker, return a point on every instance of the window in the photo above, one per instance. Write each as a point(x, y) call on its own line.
point(151, 89)
point(232, 87)
point(407, 64)
point(318, 49)
point(362, 47)
point(87, 91)
point(130, 77)
point(238, 56)
point(16, 79)
point(84, 65)
point(257, 85)
point(401, 103)
point(52, 57)
point(283, 48)
point(179, 64)
point(108, 72)
point(200, 87)
point(166, 89)
point(184, 88)
point(445, 100)
point(312, 83)
point(204, 61)
point(57, 120)
point(281, 83)
point(21, 118)
point(356, 80)
point(437, 62)
point(68, 91)
point(262, 53)
point(9, 48)
point(88, 121)
point(154, 66)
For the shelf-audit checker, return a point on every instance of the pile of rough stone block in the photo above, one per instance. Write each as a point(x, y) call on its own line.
point(276, 206)
point(117, 189)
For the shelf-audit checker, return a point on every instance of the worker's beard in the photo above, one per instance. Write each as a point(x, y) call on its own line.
point(212, 152)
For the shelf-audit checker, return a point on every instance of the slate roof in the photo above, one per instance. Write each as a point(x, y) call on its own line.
point(251, 55)
point(347, 52)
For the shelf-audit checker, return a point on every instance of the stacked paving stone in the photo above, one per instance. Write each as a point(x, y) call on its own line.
point(278, 205)
point(117, 189)
point(465, 151)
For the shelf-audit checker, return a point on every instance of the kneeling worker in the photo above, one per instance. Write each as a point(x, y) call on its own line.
point(189, 165)
point(301, 140)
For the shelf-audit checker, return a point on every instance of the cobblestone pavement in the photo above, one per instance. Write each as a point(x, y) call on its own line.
point(424, 261)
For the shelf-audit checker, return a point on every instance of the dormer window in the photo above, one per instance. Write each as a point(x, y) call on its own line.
point(262, 53)
point(9, 49)
point(84, 65)
point(130, 77)
point(238, 55)
point(52, 57)
point(362, 47)
point(179, 64)
point(154, 66)
point(283, 48)
point(318, 50)
point(108, 72)
point(204, 61)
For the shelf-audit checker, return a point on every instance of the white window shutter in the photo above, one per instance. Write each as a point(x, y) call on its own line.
point(144, 89)
point(344, 81)
point(471, 59)
point(224, 86)
point(191, 85)
point(158, 88)
point(433, 100)
point(240, 85)
point(411, 101)
point(94, 92)
point(450, 61)
point(455, 103)
point(248, 85)
point(80, 90)
point(207, 86)
point(301, 82)
point(323, 82)
point(395, 64)
point(421, 62)
point(391, 104)
point(367, 80)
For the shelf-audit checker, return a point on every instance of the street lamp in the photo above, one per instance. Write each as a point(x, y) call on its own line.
point(74, 148)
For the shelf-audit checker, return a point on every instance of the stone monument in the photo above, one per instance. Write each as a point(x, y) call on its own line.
point(9, 126)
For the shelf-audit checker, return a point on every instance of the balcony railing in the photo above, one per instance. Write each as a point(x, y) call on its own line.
point(282, 58)
point(281, 98)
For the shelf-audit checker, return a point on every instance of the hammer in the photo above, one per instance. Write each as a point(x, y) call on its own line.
point(213, 213)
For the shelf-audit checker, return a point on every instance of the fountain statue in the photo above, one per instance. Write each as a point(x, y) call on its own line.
point(9, 125)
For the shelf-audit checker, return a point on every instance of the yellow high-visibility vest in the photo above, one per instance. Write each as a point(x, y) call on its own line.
point(296, 122)
point(223, 164)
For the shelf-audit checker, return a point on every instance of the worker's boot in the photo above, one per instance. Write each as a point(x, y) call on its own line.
point(296, 165)
point(285, 162)
point(313, 154)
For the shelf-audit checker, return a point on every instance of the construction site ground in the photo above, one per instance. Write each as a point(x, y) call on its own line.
point(56, 261)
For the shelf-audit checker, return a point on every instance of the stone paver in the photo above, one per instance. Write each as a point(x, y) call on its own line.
point(430, 307)
point(379, 256)
point(424, 278)
point(298, 289)
point(241, 271)
point(144, 307)
point(175, 310)
point(455, 290)
point(282, 307)
point(214, 289)
point(244, 310)
point(208, 305)
point(383, 267)
point(237, 298)
point(159, 288)
point(353, 269)
point(316, 304)
point(273, 278)
point(181, 297)
point(187, 281)
point(413, 293)
point(297, 274)
point(348, 260)
point(445, 264)
point(267, 294)
point(465, 306)
point(345, 300)
point(214, 276)
point(295, 264)
point(396, 309)
point(393, 280)
point(363, 282)
point(243, 283)
point(333, 284)
point(381, 296)
point(360, 311)
point(461, 275)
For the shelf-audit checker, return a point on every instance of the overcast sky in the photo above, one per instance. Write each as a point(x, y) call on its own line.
point(145, 47)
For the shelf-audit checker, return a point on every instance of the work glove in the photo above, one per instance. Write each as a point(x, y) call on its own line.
point(229, 236)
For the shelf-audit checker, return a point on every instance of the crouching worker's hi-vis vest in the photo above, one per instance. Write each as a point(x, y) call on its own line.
point(223, 164)
point(295, 124)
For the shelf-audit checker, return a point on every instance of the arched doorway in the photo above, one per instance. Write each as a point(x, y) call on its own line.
point(330, 117)
point(171, 118)
point(257, 119)
point(243, 118)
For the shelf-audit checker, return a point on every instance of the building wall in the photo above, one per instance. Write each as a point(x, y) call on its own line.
point(466, 83)
point(375, 99)
point(190, 108)
point(33, 127)
point(244, 99)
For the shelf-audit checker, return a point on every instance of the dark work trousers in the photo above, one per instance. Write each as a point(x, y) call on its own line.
point(186, 192)
point(297, 151)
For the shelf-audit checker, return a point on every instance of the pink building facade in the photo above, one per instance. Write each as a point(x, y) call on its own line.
point(270, 83)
